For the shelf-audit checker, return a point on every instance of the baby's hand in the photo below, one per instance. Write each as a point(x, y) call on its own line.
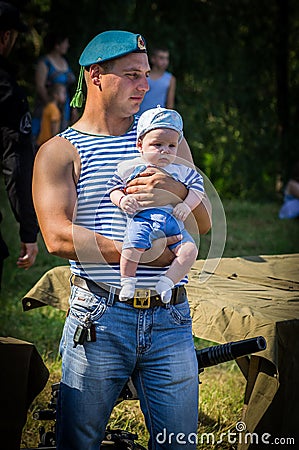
point(129, 204)
point(181, 211)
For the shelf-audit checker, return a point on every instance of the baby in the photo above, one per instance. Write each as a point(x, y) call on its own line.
point(159, 133)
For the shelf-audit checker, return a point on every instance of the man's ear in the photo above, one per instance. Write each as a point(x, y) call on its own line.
point(95, 74)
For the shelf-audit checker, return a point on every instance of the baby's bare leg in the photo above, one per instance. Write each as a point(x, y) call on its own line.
point(129, 260)
point(186, 254)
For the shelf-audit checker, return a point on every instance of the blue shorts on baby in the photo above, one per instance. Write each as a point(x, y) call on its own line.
point(151, 224)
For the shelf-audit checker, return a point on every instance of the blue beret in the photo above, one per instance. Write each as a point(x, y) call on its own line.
point(110, 45)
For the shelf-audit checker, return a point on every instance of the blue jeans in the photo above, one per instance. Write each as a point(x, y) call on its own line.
point(154, 346)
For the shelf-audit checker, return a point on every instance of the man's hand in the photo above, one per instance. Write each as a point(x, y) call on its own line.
point(159, 254)
point(27, 256)
point(155, 188)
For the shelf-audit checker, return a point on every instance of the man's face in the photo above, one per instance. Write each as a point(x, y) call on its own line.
point(125, 84)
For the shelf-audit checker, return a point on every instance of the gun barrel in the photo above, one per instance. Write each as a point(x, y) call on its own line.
point(216, 354)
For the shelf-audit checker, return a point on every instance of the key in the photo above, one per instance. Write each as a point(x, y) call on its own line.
point(91, 333)
point(80, 335)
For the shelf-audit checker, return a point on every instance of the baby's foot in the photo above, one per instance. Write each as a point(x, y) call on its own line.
point(164, 288)
point(127, 288)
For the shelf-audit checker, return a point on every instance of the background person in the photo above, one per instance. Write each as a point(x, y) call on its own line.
point(162, 84)
point(159, 132)
point(16, 147)
point(51, 117)
point(154, 346)
point(290, 207)
point(53, 68)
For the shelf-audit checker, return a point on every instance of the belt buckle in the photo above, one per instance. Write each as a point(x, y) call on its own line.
point(142, 298)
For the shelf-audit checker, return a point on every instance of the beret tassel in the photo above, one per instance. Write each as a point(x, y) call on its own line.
point(78, 98)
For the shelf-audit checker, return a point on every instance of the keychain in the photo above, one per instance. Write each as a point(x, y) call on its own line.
point(85, 332)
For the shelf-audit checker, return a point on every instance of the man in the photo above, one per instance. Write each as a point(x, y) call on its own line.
point(106, 341)
point(15, 143)
point(162, 84)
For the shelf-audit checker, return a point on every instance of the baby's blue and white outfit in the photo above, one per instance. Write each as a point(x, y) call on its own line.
point(153, 223)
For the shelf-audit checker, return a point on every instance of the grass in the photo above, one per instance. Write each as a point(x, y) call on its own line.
point(252, 229)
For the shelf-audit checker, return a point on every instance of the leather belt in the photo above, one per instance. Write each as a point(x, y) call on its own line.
point(143, 299)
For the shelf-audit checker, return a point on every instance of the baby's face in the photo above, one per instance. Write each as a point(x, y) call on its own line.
point(159, 147)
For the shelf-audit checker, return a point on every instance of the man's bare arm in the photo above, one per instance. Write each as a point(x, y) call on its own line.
point(200, 220)
point(55, 197)
point(203, 212)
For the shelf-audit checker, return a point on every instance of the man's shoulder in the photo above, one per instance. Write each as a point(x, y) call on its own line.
point(57, 146)
point(58, 158)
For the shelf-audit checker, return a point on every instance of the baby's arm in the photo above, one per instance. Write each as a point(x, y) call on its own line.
point(127, 203)
point(183, 209)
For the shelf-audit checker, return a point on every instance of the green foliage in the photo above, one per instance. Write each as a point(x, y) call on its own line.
point(237, 75)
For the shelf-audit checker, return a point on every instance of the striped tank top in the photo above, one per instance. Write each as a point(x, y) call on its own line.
point(99, 157)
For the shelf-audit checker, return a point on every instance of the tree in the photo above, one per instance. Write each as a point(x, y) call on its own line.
point(236, 63)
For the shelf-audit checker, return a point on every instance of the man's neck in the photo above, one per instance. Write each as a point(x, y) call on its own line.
point(106, 127)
